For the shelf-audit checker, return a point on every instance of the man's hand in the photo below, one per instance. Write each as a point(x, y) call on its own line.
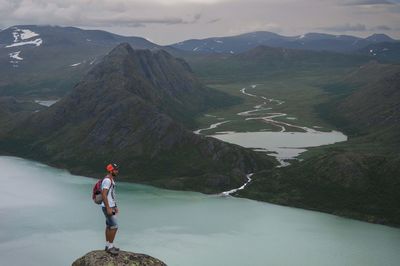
point(109, 211)
point(116, 210)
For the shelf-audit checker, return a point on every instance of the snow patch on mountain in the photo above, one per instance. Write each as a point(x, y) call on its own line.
point(27, 34)
point(21, 35)
point(36, 42)
point(77, 64)
point(15, 58)
point(15, 55)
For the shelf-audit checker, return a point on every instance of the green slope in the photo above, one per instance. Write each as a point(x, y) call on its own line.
point(359, 178)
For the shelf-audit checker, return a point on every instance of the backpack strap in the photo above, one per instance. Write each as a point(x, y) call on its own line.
point(112, 185)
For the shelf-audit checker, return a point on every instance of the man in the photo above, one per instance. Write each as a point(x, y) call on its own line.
point(109, 207)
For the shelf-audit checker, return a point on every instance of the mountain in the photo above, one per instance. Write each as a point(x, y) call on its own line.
point(387, 52)
point(49, 60)
point(162, 80)
point(375, 105)
point(377, 38)
point(309, 41)
point(41, 62)
point(234, 44)
point(122, 111)
point(264, 61)
point(13, 110)
point(359, 178)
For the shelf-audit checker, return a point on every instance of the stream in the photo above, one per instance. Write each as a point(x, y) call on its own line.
point(283, 144)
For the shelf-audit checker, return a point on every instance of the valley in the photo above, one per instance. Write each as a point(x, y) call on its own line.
point(245, 133)
point(278, 138)
point(357, 178)
point(161, 114)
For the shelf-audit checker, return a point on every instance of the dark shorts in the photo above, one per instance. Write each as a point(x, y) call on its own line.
point(111, 221)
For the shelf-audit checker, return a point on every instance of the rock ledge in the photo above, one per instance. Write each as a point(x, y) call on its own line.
point(124, 258)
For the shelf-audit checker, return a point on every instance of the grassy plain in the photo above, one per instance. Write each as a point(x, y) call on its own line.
point(301, 93)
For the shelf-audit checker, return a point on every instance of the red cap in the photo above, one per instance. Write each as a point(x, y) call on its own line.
point(111, 167)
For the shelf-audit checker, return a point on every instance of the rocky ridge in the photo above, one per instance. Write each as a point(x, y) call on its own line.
point(133, 108)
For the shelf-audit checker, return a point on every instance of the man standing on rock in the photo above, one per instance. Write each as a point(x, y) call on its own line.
point(109, 207)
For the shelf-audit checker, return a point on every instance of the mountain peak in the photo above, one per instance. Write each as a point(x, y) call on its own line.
point(260, 34)
point(122, 49)
point(379, 37)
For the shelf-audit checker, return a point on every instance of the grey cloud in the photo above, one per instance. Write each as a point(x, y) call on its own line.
point(382, 27)
point(141, 22)
point(394, 9)
point(90, 14)
point(213, 21)
point(168, 21)
point(367, 2)
point(345, 28)
point(130, 22)
point(197, 17)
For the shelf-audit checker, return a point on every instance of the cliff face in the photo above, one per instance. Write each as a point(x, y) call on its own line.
point(124, 258)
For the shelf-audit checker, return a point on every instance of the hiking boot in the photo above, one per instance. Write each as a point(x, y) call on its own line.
point(105, 249)
point(113, 250)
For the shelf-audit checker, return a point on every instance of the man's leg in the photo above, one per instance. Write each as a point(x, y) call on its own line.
point(111, 231)
point(107, 234)
point(110, 234)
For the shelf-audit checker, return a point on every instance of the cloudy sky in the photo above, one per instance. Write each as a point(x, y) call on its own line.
point(169, 21)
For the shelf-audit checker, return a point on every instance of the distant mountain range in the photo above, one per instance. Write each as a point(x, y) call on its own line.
point(264, 61)
point(46, 61)
point(388, 52)
point(309, 41)
point(129, 108)
point(51, 59)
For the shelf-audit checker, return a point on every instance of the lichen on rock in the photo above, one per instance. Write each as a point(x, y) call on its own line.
point(124, 258)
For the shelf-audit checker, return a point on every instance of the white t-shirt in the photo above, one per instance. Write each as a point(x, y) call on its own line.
point(106, 184)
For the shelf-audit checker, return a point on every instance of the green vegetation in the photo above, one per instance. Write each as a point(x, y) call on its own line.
point(135, 124)
point(301, 92)
point(358, 178)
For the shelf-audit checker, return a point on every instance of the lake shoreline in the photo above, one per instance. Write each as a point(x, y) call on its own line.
point(163, 222)
point(91, 174)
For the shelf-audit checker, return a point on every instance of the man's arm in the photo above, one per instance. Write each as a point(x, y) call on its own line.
point(104, 193)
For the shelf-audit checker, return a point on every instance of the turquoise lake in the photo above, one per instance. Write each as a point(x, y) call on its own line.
point(49, 219)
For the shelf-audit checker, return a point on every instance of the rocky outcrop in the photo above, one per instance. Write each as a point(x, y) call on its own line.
point(124, 258)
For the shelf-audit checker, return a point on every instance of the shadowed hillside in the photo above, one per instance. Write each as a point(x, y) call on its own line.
point(124, 111)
